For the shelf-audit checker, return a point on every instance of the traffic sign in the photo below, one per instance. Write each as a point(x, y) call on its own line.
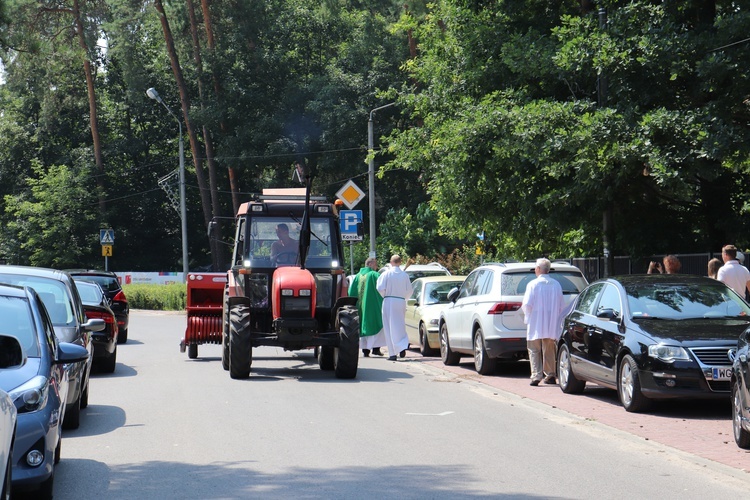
point(350, 194)
point(107, 236)
point(348, 221)
point(106, 250)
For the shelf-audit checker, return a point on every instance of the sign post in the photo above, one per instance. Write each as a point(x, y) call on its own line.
point(107, 240)
point(350, 221)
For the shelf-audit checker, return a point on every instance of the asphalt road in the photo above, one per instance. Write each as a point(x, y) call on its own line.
point(164, 426)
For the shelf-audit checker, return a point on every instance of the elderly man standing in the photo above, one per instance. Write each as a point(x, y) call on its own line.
point(370, 305)
point(732, 273)
point(542, 304)
point(395, 287)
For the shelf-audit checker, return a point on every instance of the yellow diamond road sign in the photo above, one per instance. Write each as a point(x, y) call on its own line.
point(350, 194)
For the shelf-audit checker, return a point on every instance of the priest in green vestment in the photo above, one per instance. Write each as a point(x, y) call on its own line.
point(370, 305)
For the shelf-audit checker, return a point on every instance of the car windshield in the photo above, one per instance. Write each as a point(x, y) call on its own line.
point(437, 293)
point(684, 301)
point(514, 283)
point(53, 295)
point(16, 321)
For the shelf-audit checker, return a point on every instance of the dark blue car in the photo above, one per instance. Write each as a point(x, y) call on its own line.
point(38, 387)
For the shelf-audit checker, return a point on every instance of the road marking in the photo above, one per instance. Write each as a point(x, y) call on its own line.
point(431, 414)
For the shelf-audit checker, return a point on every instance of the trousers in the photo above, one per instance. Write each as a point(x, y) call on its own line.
point(542, 357)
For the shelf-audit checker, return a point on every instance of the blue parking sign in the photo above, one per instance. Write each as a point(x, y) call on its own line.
point(348, 220)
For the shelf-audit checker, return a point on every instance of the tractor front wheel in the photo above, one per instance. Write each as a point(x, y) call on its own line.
point(240, 348)
point(346, 355)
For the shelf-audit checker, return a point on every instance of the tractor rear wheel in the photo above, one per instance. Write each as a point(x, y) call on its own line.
point(240, 348)
point(346, 355)
point(325, 358)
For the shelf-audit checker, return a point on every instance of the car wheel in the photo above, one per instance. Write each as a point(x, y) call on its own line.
point(240, 348)
point(45, 488)
point(85, 396)
point(482, 362)
point(193, 351)
point(72, 419)
point(7, 480)
point(58, 450)
point(424, 344)
point(741, 436)
point(110, 362)
point(122, 336)
point(449, 357)
point(569, 383)
point(629, 386)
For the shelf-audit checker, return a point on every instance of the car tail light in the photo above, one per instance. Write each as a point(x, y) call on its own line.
point(108, 318)
point(502, 307)
point(120, 297)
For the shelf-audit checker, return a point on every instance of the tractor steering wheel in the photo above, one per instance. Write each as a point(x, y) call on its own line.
point(285, 258)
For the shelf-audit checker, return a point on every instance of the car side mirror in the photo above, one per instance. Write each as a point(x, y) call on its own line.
point(412, 302)
point(94, 325)
point(453, 294)
point(71, 353)
point(608, 314)
point(12, 354)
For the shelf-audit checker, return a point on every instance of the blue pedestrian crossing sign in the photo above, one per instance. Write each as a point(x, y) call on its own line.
point(348, 220)
point(107, 236)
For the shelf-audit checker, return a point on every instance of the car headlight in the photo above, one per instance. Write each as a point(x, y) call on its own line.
point(668, 353)
point(31, 396)
point(434, 322)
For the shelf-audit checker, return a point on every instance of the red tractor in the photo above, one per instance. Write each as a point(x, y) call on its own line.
point(286, 287)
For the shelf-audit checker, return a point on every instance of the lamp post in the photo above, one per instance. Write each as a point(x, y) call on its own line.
point(153, 94)
point(371, 172)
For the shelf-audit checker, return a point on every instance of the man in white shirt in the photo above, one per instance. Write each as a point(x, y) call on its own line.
point(542, 304)
point(732, 273)
point(395, 287)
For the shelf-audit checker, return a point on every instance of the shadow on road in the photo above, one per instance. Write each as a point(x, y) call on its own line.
point(156, 479)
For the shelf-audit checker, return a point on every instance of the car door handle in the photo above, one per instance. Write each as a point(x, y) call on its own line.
point(594, 331)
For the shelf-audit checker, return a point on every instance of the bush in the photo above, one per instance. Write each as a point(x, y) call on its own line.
point(156, 297)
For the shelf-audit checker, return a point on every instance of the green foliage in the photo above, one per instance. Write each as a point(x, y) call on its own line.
point(156, 297)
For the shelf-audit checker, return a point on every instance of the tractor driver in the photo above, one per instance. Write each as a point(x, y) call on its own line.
point(286, 249)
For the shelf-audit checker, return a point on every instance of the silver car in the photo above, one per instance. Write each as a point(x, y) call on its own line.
point(484, 317)
point(7, 437)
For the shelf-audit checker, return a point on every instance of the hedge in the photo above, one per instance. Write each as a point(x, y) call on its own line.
point(156, 297)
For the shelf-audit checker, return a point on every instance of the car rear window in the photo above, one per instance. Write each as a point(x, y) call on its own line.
point(89, 293)
point(515, 283)
point(108, 283)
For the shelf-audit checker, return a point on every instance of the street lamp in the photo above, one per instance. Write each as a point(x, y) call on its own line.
point(371, 172)
point(153, 94)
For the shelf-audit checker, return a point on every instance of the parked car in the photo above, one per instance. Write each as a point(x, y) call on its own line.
point(655, 336)
point(415, 271)
point(96, 305)
point(484, 316)
point(37, 382)
point(63, 304)
point(7, 438)
point(110, 283)
point(423, 308)
point(741, 392)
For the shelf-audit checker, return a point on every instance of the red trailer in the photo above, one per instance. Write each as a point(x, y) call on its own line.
point(204, 311)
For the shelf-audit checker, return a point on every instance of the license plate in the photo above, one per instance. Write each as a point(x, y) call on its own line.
point(724, 373)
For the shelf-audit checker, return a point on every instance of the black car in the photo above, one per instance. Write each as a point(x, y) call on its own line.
point(112, 289)
point(96, 305)
point(741, 392)
point(60, 297)
point(652, 337)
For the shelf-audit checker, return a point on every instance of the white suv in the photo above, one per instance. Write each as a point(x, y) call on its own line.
point(484, 318)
